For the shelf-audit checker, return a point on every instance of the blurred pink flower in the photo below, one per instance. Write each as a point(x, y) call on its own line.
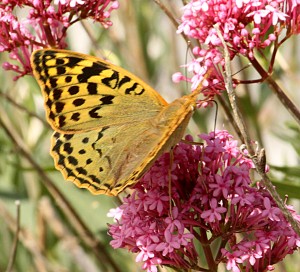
point(45, 26)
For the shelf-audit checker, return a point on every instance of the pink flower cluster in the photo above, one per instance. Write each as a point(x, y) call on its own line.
point(212, 204)
point(46, 25)
point(245, 25)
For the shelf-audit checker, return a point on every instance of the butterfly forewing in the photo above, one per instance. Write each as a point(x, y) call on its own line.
point(83, 92)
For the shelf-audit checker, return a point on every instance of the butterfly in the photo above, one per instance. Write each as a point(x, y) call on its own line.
point(109, 125)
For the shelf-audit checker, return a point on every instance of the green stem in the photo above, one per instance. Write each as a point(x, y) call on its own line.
point(284, 99)
point(207, 251)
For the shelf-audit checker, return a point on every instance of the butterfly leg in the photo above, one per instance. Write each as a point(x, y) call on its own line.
point(170, 180)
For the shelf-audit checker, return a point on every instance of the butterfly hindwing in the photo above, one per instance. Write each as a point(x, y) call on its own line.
point(109, 159)
point(97, 159)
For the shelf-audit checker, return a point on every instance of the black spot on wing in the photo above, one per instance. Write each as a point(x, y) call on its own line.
point(69, 172)
point(72, 160)
point(92, 88)
point(81, 171)
point(46, 88)
point(75, 116)
point(61, 121)
point(53, 82)
point(124, 80)
point(134, 88)
point(73, 90)
point(85, 140)
point(88, 161)
point(60, 70)
point(68, 136)
point(61, 159)
point(57, 94)
point(59, 61)
point(59, 106)
point(82, 181)
point(94, 179)
point(88, 72)
point(94, 114)
point(100, 134)
point(78, 102)
point(49, 103)
point(107, 99)
point(68, 148)
point(51, 116)
point(68, 79)
point(112, 81)
point(73, 61)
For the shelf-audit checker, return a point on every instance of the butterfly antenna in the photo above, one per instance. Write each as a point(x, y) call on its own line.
point(242, 69)
point(200, 86)
point(170, 180)
point(186, 56)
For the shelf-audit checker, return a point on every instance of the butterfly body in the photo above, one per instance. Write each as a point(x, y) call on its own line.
point(109, 125)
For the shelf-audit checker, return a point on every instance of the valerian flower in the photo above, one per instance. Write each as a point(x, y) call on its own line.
point(45, 25)
point(210, 198)
point(244, 25)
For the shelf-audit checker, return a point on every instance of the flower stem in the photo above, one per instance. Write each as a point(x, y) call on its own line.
point(207, 251)
point(259, 161)
point(284, 99)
